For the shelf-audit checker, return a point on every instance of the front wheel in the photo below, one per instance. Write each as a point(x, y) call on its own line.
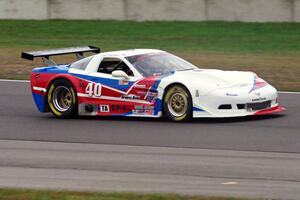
point(62, 99)
point(178, 104)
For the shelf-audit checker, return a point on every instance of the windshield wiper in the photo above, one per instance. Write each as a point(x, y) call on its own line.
point(185, 69)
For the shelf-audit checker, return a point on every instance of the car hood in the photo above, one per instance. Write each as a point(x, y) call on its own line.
point(211, 79)
point(220, 77)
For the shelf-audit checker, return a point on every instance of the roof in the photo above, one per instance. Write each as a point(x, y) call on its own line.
point(130, 52)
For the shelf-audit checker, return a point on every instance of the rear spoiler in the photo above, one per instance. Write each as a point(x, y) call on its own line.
point(45, 54)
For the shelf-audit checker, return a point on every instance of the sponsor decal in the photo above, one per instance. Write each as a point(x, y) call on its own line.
point(259, 99)
point(148, 107)
point(231, 95)
point(138, 112)
point(151, 96)
point(149, 112)
point(130, 96)
point(257, 93)
point(141, 92)
point(123, 82)
point(139, 107)
point(143, 112)
point(152, 93)
point(104, 108)
point(140, 86)
point(120, 108)
point(144, 107)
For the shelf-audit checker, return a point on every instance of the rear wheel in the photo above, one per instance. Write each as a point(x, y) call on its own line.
point(178, 104)
point(62, 99)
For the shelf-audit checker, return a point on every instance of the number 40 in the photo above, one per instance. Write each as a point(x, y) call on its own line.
point(93, 89)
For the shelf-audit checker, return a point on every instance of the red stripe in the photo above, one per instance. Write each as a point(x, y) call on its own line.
point(275, 109)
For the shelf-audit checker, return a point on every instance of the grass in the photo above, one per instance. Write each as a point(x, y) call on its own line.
point(19, 194)
point(281, 38)
point(270, 49)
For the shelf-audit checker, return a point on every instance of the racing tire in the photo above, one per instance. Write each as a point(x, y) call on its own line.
point(178, 104)
point(62, 99)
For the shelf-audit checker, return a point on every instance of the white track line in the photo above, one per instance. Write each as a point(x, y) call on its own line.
point(287, 92)
point(17, 81)
point(27, 81)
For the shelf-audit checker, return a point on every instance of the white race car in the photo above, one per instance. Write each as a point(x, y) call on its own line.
point(147, 83)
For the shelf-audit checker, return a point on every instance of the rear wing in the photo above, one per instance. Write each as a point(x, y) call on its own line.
point(45, 54)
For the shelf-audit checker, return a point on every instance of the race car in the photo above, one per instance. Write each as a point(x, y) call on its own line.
point(144, 83)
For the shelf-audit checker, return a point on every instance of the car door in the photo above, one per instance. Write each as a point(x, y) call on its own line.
point(115, 97)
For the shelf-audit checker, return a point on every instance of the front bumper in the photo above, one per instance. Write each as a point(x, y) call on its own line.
point(237, 102)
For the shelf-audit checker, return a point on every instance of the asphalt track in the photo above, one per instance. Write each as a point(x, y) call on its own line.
point(251, 156)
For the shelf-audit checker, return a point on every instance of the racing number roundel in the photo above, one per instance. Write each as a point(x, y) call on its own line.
point(93, 89)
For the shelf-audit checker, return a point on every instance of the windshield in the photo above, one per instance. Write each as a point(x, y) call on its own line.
point(156, 64)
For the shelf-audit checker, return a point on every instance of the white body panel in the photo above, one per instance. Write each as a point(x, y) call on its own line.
point(211, 88)
point(208, 88)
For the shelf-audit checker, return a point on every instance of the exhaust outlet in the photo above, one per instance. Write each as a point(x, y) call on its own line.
point(89, 108)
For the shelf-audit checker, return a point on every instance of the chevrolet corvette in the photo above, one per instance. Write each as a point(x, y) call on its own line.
point(144, 83)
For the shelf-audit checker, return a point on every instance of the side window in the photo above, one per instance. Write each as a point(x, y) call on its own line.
point(81, 64)
point(108, 65)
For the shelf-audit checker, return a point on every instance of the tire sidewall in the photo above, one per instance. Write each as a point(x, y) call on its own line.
point(177, 88)
point(72, 111)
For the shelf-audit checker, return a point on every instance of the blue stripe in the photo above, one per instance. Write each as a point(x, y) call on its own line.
point(158, 102)
point(198, 109)
point(254, 82)
point(63, 69)
point(40, 101)
point(105, 81)
point(52, 69)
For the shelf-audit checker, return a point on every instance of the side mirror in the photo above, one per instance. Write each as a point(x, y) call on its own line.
point(120, 73)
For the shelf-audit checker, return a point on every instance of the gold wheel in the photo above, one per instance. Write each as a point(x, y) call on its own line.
point(177, 104)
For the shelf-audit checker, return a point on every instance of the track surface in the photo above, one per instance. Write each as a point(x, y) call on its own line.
point(261, 154)
point(20, 120)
